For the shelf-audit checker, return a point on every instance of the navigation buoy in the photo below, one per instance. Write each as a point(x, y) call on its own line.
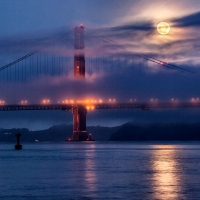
point(18, 146)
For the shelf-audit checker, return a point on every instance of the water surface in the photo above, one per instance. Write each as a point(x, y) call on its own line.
point(100, 170)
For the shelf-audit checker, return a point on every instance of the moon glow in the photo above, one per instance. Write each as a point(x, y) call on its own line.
point(163, 28)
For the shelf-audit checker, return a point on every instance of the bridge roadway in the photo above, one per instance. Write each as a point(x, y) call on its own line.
point(126, 105)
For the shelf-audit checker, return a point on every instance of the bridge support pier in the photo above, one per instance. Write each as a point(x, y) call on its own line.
point(79, 124)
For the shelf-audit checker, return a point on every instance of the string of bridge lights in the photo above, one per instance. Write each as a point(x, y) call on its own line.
point(89, 103)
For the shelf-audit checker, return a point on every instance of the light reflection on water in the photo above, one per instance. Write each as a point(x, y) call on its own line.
point(166, 179)
point(90, 171)
point(95, 170)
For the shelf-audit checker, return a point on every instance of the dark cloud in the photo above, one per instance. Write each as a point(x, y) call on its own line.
point(192, 20)
point(135, 26)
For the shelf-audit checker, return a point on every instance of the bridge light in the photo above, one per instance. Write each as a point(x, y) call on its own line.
point(2, 102)
point(46, 101)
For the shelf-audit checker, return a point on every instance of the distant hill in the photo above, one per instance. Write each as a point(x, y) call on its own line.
point(56, 133)
point(151, 132)
point(127, 132)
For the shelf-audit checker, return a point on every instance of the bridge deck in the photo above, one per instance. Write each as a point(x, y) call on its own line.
point(66, 107)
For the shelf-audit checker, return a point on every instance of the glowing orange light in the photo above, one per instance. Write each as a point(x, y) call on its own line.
point(46, 101)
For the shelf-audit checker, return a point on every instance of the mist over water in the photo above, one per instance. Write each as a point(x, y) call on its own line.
point(96, 170)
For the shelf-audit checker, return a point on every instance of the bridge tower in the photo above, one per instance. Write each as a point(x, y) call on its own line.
point(79, 123)
point(79, 112)
point(79, 56)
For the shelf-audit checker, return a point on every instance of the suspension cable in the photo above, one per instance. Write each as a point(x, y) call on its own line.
point(34, 52)
point(152, 59)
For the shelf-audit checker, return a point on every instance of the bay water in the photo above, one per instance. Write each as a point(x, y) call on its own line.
point(100, 170)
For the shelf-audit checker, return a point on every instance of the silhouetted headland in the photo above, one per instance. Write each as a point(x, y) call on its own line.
point(127, 132)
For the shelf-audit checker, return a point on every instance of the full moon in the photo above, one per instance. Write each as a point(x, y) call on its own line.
point(163, 28)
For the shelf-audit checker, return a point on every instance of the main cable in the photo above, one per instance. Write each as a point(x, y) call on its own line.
point(34, 52)
point(152, 59)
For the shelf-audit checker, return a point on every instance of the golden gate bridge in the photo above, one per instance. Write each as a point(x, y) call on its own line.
point(88, 53)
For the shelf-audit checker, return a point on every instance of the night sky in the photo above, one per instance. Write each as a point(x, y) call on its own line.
point(25, 25)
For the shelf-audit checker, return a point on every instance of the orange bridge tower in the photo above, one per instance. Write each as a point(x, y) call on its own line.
point(79, 56)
